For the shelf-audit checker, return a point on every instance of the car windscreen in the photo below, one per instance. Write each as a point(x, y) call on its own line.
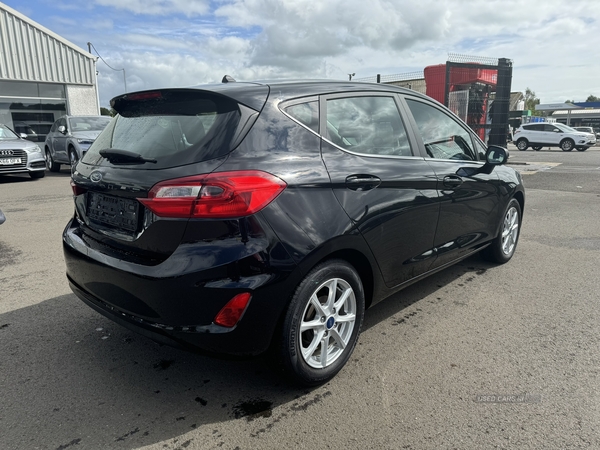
point(172, 127)
point(88, 123)
point(565, 128)
point(7, 133)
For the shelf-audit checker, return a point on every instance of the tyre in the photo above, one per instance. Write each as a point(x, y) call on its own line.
point(522, 144)
point(50, 164)
point(322, 323)
point(73, 158)
point(567, 145)
point(503, 247)
point(537, 148)
point(37, 174)
point(581, 149)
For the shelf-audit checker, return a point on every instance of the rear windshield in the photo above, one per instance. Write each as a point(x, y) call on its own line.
point(173, 127)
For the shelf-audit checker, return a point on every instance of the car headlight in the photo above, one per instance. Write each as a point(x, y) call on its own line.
point(34, 149)
point(85, 141)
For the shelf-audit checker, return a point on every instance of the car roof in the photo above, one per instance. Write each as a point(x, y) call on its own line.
point(289, 89)
point(298, 88)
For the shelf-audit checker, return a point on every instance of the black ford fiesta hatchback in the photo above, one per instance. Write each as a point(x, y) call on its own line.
point(240, 217)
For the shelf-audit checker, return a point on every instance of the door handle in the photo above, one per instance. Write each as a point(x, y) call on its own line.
point(452, 181)
point(362, 182)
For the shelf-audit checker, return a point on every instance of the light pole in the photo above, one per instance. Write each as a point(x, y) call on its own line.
point(90, 46)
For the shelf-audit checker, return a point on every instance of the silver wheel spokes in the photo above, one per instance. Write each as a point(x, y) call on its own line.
point(510, 231)
point(327, 323)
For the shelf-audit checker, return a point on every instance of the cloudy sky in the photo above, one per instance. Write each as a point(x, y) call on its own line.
point(554, 44)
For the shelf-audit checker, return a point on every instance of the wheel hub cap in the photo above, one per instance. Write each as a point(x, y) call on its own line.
point(327, 323)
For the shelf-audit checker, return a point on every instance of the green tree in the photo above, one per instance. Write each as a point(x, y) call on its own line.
point(105, 111)
point(569, 101)
point(593, 98)
point(530, 101)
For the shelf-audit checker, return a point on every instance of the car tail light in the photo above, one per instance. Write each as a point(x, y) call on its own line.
point(77, 190)
point(232, 312)
point(216, 195)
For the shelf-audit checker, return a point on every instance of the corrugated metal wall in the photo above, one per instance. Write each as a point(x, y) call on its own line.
point(29, 54)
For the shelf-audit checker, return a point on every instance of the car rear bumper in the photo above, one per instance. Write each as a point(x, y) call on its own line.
point(179, 309)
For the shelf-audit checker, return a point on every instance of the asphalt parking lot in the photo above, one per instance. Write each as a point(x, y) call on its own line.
point(475, 357)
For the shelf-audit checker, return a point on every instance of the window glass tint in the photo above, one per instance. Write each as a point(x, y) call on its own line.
point(443, 136)
point(306, 113)
point(175, 128)
point(367, 125)
point(52, 90)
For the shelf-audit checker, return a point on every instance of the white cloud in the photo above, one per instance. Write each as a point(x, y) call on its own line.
point(158, 7)
point(179, 42)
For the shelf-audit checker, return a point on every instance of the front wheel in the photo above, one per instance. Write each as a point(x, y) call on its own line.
point(322, 323)
point(567, 145)
point(73, 158)
point(522, 144)
point(50, 164)
point(502, 248)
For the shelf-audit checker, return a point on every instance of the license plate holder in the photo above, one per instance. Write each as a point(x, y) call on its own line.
point(117, 212)
point(10, 161)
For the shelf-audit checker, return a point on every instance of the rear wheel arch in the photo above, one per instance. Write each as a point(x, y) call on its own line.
point(521, 199)
point(361, 264)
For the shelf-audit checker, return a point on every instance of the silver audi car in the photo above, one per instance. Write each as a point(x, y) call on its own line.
point(18, 155)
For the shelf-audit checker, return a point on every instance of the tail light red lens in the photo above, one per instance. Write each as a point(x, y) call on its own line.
point(77, 190)
point(232, 312)
point(216, 195)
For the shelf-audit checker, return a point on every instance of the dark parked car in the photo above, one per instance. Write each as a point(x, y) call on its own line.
point(70, 137)
point(241, 217)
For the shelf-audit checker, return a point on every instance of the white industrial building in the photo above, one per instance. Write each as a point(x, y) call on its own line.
point(42, 76)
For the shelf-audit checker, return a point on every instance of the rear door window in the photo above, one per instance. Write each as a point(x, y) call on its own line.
point(367, 125)
point(306, 113)
point(173, 127)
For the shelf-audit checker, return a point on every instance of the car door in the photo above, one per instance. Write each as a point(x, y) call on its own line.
point(387, 190)
point(468, 192)
point(59, 141)
point(553, 134)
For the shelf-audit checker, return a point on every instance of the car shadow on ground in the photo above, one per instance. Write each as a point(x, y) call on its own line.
point(24, 177)
point(70, 377)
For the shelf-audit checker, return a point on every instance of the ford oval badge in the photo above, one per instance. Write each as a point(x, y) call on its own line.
point(96, 176)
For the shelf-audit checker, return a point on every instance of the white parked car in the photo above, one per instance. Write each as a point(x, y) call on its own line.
point(542, 134)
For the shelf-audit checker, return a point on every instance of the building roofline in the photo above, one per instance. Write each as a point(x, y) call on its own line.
point(43, 29)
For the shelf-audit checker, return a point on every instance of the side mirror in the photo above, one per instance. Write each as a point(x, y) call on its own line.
point(62, 129)
point(496, 155)
point(23, 135)
point(2, 218)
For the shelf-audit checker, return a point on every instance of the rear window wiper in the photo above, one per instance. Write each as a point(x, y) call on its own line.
point(118, 156)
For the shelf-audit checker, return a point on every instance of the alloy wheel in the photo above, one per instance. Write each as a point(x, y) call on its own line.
point(327, 323)
point(510, 231)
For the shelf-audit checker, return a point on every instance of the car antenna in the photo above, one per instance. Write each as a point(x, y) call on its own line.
point(228, 79)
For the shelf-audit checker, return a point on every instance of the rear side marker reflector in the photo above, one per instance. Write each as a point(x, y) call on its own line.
point(232, 312)
point(224, 195)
